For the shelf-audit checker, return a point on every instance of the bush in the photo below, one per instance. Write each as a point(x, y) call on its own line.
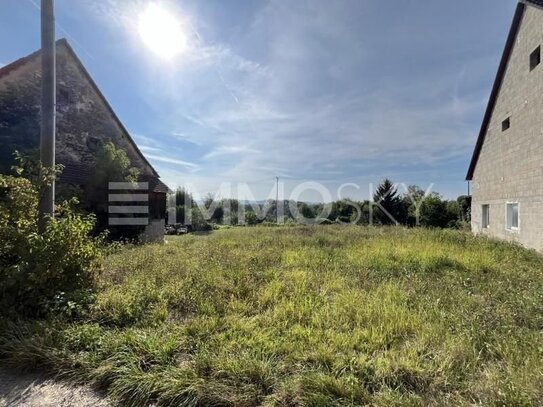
point(44, 272)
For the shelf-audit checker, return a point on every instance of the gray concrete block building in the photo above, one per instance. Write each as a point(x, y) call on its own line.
point(506, 169)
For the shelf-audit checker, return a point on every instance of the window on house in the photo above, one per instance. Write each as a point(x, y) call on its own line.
point(506, 124)
point(512, 216)
point(535, 58)
point(486, 216)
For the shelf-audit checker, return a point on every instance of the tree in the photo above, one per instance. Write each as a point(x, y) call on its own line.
point(464, 202)
point(183, 197)
point(344, 211)
point(218, 215)
point(306, 211)
point(437, 212)
point(390, 208)
point(412, 201)
point(112, 165)
point(251, 219)
point(198, 221)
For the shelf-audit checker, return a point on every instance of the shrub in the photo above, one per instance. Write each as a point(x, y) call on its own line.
point(112, 165)
point(44, 272)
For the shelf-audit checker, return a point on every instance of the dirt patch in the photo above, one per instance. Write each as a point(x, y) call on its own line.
point(32, 390)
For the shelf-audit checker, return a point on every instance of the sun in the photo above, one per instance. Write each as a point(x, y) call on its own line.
point(161, 32)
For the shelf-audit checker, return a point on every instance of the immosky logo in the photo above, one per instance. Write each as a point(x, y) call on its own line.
point(128, 204)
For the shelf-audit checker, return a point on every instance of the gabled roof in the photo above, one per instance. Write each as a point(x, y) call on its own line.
point(536, 2)
point(517, 19)
point(63, 42)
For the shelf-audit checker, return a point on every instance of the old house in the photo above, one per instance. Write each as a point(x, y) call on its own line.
point(506, 169)
point(85, 122)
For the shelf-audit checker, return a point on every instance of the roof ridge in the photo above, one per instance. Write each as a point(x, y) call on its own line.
point(21, 61)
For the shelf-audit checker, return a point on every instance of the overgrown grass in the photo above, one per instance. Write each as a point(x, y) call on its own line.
point(306, 316)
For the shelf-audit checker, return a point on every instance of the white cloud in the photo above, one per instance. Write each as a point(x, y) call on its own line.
point(170, 160)
point(228, 150)
point(149, 149)
point(308, 90)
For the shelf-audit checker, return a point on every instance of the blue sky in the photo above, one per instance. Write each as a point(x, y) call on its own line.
point(308, 90)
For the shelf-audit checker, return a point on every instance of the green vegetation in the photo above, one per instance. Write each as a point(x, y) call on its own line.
point(322, 315)
point(413, 207)
point(112, 165)
point(43, 273)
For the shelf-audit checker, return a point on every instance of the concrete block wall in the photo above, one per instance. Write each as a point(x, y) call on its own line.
point(510, 166)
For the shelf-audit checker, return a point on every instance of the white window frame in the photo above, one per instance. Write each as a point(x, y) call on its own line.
point(512, 229)
point(487, 219)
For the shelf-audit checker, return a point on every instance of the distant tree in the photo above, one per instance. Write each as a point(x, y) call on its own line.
point(415, 193)
point(198, 222)
point(183, 197)
point(464, 203)
point(230, 209)
point(387, 204)
point(412, 200)
point(218, 215)
point(181, 212)
point(453, 214)
point(344, 211)
point(209, 199)
point(436, 212)
point(251, 218)
point(306, 210)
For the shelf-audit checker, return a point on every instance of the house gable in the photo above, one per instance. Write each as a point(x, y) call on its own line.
point(519, 13)
point(85, 119)
point(533, 7)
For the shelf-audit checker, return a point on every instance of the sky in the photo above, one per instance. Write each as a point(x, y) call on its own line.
point(341, 93)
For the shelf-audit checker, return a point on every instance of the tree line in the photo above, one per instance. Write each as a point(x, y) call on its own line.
point(415, 207)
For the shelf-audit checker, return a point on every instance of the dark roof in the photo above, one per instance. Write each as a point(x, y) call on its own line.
point(519, 13)
point(77, 174)
point(155, 185)
point(17, 63)
point(74, 174)
point(536, 2)
point(20, 62)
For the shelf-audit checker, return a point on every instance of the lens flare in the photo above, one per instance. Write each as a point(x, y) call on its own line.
point(162, 32)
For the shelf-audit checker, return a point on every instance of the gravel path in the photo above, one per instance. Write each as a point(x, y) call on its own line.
point(31, 390)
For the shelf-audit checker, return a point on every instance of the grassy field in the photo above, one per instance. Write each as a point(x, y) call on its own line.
point(313, 316)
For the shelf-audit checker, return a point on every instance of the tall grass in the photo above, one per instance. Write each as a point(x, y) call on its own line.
point(306, 316)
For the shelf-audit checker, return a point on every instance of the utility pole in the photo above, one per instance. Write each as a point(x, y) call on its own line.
point(48, 107)
point(277, 199)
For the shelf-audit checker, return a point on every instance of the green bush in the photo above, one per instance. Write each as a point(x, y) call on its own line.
point(49, 272)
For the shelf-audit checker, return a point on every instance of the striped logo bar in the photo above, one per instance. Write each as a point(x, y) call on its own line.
point(118, 194)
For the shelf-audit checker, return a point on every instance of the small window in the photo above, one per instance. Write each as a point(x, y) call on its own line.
point(535, 58)
point(512, 216)
point(506, 124)
point(486, 216)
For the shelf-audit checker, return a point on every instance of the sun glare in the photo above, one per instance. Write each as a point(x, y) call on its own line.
point(161, 32)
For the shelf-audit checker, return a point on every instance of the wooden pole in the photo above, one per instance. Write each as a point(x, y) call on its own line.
point(48, 102)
